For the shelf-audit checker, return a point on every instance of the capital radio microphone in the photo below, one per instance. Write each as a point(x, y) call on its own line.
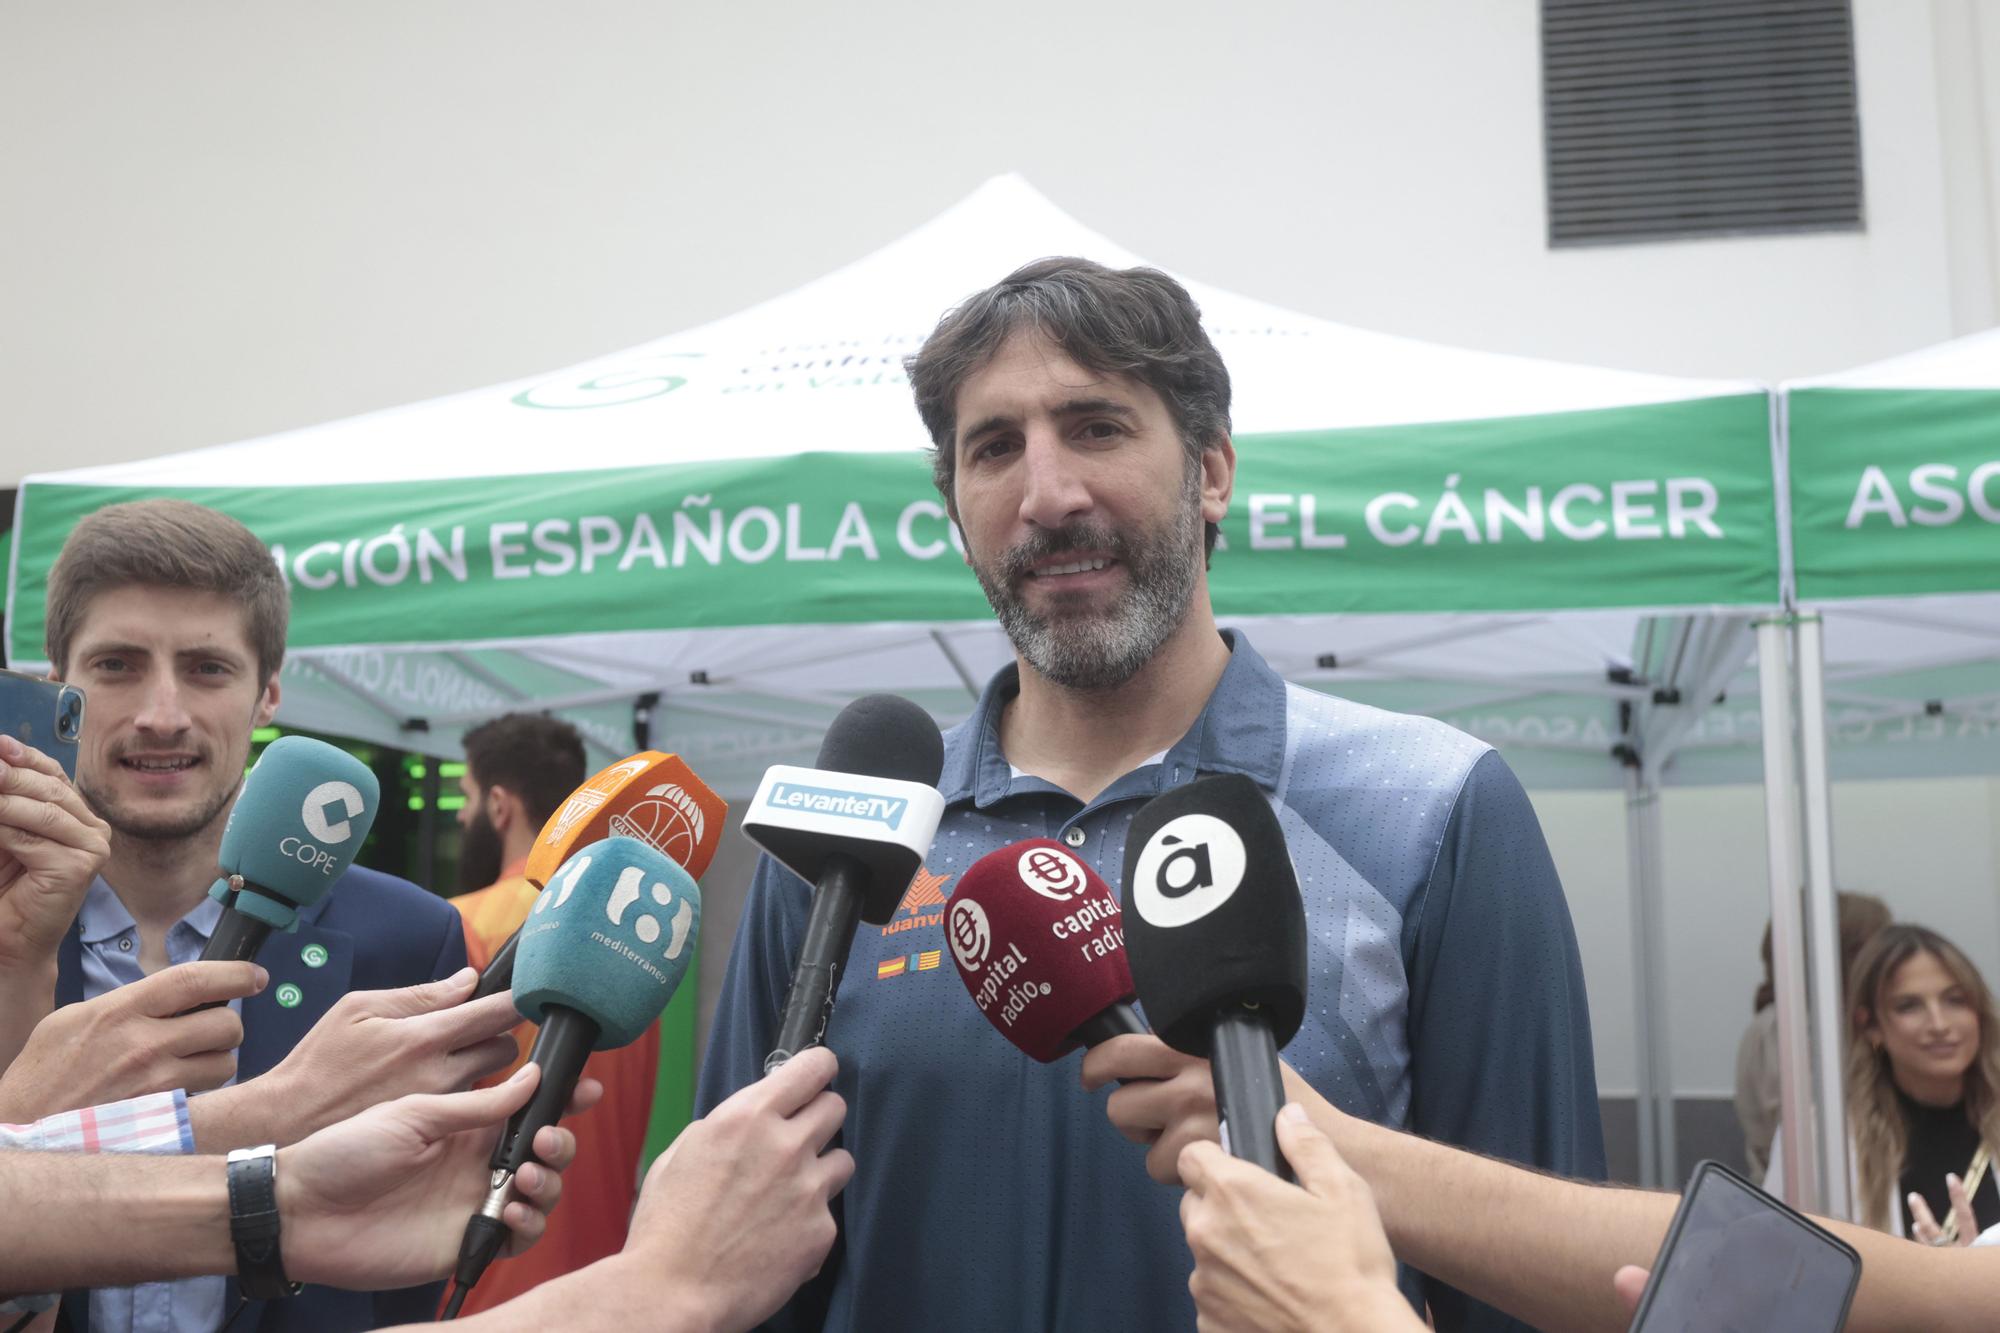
point(605, 946)
point(1217, 934)
point(304, 810)
point(650, 796)
point(856, 826)
point(1040, 945)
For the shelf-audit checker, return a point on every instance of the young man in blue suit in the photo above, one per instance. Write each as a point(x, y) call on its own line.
point(172, 618)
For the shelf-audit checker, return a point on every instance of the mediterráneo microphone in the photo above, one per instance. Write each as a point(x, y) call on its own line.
point(650, 796)
point(1040, 945)
point(604, 948)
point(856, 826)
point(302, 815)
point(1217, 934)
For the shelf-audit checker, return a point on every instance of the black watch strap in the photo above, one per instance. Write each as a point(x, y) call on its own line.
point(253, 1223)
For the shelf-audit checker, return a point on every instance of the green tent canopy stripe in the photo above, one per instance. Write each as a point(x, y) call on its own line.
point(1662, 505)
point(1895, 491)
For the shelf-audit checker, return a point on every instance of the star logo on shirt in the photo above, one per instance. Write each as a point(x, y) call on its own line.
point(923, 903)
point(926, 890)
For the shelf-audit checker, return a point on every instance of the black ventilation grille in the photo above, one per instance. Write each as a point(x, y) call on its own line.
point(1699, 118)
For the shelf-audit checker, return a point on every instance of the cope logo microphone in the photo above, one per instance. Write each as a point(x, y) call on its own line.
point(303, 813)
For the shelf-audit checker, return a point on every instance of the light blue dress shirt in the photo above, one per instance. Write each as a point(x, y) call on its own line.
point(110, 940)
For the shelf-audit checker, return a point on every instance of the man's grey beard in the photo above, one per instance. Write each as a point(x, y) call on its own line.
point(1102, 650)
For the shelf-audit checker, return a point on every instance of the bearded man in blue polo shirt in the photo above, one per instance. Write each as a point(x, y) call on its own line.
point(1081, 419)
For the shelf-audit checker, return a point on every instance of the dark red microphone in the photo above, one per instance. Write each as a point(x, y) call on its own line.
point(1040, 944)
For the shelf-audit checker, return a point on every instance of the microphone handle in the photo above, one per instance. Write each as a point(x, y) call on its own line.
point(1117, 1020)
point(560, 1048)
point(237, 938)
point(499, 973)
point(1249, 1090)
point(836, 909)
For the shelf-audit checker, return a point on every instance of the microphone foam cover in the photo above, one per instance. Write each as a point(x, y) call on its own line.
point(610, 936)
point(650, 796)
point(1213, 913)
point(884, 736)
point(304, 810)
point(1039, 943)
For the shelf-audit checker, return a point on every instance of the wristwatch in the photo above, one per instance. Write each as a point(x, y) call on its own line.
point(253, 1223)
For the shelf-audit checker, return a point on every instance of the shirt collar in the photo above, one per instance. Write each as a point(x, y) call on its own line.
point(1241, 730)
point(104, 917)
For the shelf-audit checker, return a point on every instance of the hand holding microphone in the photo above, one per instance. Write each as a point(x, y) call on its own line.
point(856, 826)
point(1217, 935)
point(170, 1030)
point(379, 1200)
point(604, 948)
point(370, 1047)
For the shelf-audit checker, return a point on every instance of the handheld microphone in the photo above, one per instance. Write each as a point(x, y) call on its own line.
point(650, 796)
point(1217, 933)
point(1040, 945)
point(304, 810)
point(605, 946)
point(856, 826)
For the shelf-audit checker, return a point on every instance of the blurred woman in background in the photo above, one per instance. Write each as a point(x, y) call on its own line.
point(1923, 1089)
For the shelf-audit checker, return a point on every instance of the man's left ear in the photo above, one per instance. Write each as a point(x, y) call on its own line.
point(501, 807)
point(267, 702)
point(1218, 478)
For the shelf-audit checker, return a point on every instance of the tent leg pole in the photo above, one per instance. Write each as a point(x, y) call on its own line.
point(1826, 1006)
point(1781, 813)
point(1652, 1030)
point(1642, 991)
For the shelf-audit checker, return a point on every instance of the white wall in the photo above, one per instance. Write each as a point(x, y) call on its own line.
point(1930, 849)
point(226, 218)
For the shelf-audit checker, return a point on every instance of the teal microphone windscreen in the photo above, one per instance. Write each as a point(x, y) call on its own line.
point(302, 815)
point(610, 936)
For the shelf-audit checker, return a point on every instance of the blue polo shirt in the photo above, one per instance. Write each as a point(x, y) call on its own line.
point(991, 1193)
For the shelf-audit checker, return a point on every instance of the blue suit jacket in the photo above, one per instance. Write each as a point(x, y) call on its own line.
point(379, 932)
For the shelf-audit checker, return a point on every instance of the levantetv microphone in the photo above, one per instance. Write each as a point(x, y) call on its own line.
point(650, 796)
point(1217, 933)
point(300, 818)
point(856, 826)
point(604, 948)
point(1040, 945)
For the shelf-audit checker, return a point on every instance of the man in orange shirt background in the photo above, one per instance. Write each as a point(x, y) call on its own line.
point(519, 768)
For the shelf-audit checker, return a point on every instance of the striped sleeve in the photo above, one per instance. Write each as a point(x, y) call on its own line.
point(156, 1123)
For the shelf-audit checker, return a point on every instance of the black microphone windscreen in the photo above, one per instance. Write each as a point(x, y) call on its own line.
point(1213, 916)
point(884, 736)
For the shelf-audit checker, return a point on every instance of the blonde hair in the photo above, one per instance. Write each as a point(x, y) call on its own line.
point(1881, 1138)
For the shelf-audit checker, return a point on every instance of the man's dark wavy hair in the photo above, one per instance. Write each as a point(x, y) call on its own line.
point(1136, 322)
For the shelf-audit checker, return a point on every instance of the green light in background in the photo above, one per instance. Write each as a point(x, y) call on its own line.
point(416, 803)
point(413, 768)
point(451, 803)
point(265, 735)
point(451, 769)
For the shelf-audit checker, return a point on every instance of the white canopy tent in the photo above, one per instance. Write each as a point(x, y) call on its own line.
point(714, 540)
point(1892, 476)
